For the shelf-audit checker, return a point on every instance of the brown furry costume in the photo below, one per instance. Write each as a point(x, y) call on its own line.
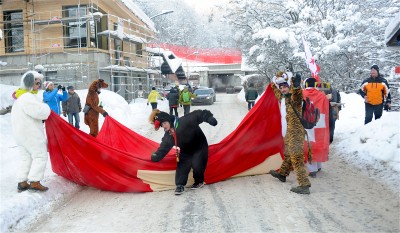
point(92, 99)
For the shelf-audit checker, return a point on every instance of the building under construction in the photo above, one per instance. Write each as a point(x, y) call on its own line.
point(77, 41)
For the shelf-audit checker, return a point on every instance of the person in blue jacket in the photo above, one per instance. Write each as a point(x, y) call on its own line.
point(53, 98)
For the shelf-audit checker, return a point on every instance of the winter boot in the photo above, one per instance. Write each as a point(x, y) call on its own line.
point(301, 190)
point(197, 186)
point(313, 174)
point(277, 175)
point(22, 186)
point(36, 186)
point(179, 190)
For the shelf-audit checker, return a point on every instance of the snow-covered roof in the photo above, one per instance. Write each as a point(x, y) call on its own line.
point(392, 28)
point(126, 37)
point(173, 61)
point(154, 50)
point(125, 68)
point(137, 11)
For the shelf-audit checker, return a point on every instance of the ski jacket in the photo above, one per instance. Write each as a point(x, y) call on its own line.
point(173, 98)
point(153, 96)
point(27, 114)
point(191, 95)
point(53, 99)
point(251, 94)
point(72, 104)
point(376, 90)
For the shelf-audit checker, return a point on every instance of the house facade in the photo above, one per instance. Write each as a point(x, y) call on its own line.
point(77, 41)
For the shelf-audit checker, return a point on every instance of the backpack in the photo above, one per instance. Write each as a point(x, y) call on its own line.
point(186, 97)
point(309, 114)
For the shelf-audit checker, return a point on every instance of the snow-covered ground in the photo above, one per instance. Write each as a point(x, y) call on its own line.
point(374, 147)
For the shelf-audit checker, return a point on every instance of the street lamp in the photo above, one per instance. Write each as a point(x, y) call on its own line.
point(164, 12)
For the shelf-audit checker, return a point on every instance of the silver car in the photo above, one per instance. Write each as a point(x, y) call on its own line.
point(204, 96)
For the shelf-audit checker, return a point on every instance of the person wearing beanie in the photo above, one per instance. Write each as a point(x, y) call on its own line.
point(153, 97)
point(72, 107)
point(52, 97)
point(374, 90)
point(290, 96)
point(310, 83)
point(27, 116)
point(190, 144)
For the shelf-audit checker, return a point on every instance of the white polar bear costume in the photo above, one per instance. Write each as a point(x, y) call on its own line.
point(26, 118)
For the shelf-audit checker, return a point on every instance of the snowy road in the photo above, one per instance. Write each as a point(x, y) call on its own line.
point(343, 199)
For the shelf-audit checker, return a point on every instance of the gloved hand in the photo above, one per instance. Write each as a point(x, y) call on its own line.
point(155, 157)
point(297, 80)
point(147, 103)
point(212, 121)
point(59, 87)
point(105, 114)
point(64, 114)
point(63, 88)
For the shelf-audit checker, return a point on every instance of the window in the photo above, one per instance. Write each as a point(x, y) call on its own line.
point(13, 31)
point(139, 49)
point(76, 30)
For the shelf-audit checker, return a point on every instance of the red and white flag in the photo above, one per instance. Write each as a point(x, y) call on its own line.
point(319, 135)
point(310, 61)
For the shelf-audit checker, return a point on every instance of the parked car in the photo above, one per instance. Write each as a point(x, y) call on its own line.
point(204, 96)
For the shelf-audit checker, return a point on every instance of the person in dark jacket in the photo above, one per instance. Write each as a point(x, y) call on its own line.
point(72, 107)
point(251, 96)
point(374, 90)
point(190, 143)
point(334, 107)
point(173, 99)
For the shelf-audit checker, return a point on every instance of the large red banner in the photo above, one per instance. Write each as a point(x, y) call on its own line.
point(209, 55)
point(119, 159)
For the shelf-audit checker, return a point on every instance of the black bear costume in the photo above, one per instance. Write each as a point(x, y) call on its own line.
point(190, 141)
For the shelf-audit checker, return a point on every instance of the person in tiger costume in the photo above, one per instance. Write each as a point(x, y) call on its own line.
point(290, 95)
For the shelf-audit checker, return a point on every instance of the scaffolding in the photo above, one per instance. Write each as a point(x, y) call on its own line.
point(81, 43)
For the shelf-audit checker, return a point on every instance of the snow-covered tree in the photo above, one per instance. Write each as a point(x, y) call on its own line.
point(346, 36)
point(187, 27)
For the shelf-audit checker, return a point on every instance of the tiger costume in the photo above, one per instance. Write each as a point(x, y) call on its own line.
point(294, 137)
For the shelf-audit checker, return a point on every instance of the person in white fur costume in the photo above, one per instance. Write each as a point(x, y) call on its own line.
point(27, 115)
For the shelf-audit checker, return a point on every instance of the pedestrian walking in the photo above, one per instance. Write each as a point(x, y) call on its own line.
point(251, 96)
point(374, 90)
point(185, 99)
point(173, 100)
point(153, 97)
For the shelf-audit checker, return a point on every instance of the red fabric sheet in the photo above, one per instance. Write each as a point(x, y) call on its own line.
point(319, 135)
point(111, 161)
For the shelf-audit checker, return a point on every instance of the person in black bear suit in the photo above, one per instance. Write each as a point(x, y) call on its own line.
point(190, 143)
